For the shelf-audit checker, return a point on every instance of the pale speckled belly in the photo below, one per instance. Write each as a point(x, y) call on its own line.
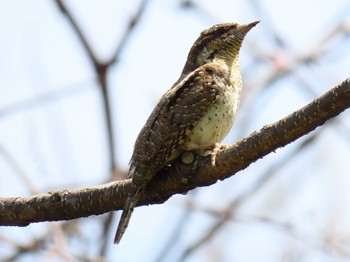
point(214, 126)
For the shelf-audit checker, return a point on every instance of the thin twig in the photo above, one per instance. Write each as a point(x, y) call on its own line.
point(101, 72)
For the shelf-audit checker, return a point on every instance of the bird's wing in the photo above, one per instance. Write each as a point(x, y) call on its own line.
point(171, 122)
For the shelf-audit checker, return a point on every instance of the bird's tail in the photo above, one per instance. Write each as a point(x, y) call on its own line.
point(125, 217)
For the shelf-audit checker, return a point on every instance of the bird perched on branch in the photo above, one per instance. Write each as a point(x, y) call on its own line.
point(195, 114)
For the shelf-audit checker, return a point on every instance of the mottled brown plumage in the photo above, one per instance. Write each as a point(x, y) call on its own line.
point(195, 113)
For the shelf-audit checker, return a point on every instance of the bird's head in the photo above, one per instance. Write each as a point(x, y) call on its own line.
point(221, 41)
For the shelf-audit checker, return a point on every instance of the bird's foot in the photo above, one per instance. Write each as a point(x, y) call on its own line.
point(217, 148)
point(204, 150)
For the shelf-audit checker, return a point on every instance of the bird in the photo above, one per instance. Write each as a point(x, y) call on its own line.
point(195, 114)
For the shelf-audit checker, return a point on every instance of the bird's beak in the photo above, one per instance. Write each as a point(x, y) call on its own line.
point(244, 29)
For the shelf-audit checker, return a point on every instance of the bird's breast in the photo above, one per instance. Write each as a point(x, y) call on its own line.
point(217, 122)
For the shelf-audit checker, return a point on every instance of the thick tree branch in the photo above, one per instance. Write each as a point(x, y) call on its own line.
point(71, 204)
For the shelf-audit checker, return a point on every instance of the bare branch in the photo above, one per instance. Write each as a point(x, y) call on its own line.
point(233, 207)
point(101, 72)
point(71, 204)
point(133, 22)
point(78, 31)
point(101, 68)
